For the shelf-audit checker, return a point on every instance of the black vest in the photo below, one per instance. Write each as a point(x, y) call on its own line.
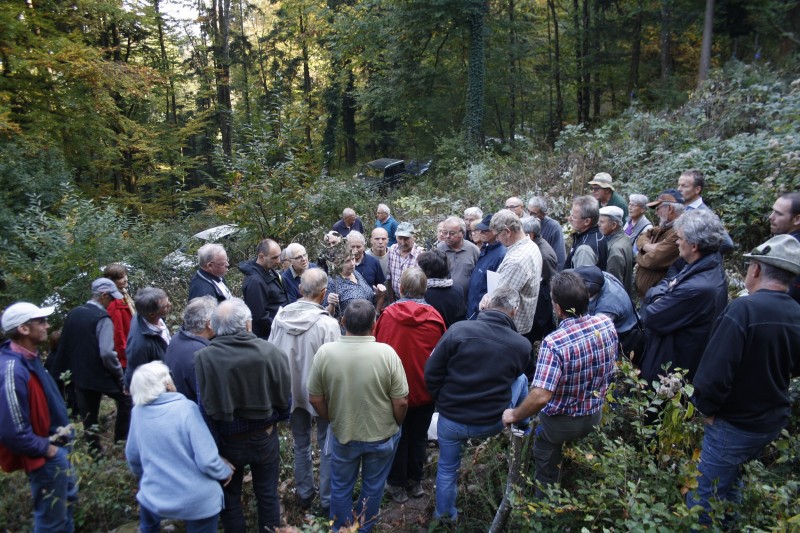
point(595, 240)
point(79, 352)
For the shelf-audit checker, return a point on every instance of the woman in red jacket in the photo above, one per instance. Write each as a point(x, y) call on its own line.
point(120, 311)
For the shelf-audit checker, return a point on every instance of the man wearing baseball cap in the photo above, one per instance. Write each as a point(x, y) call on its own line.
point(86, 349)
point(742, 384)
point(658, 246)
point(34, 425)
point(602, 187)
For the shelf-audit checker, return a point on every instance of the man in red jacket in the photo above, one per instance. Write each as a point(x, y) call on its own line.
point(34, 426)
point(412, 327)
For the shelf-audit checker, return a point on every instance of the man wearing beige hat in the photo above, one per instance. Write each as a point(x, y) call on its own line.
point(620, 251)
point(742, 384)
point(603, 190)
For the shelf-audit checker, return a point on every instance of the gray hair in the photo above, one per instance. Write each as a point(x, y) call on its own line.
point(413, 283)
point(356, 236)
point(473, 212)
point(198, 313)
point(677, 207)
point(539, 203)
point(531, 225)
point(347, 212)
point(589, 206)
point(504, 299)
point(383, 208)
point(505, 219)
point(703, 228)
point(312, 282)
point(293, 250)
point(208, 252)
point(149, 382)
point(230, 317)
point(459, 221)
point(148, 300)
point(638, 199)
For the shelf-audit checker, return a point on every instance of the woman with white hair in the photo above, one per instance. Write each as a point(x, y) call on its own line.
point(172, 452)
point(637, 223)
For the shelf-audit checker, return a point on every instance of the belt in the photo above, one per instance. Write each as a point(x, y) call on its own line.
point(247, 434)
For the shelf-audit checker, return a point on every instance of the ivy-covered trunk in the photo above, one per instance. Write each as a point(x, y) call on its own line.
point(476, 75)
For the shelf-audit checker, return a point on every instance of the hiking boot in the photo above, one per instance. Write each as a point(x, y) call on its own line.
point(416, 490)
point(398, 494)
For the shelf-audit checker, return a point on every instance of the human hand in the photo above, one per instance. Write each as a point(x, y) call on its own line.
point(509, 417)
point(380, 288)
point(333, 298)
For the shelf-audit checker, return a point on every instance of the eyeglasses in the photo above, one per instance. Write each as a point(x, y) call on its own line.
point(226, 265)
point(301, 256)
point(595, 188)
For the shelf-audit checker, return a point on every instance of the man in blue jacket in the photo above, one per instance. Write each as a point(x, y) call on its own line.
point(492, 254)
point(34, 426)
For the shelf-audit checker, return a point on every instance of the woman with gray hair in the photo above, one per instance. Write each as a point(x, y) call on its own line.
point(149, 336)
point(172, 453)
point(637, 223)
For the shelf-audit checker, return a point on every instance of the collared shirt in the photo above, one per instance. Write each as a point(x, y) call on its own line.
point(576, 364)
point(397, 264)
point(521, 270)
point(291, 282)
point(694, 205)
point(462, 261)
point(24, 352)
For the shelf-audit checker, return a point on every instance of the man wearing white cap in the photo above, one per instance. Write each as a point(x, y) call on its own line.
point(742, 384)
point(620, 251)
point(603, 190)
point(86, 349)
point(34, 425)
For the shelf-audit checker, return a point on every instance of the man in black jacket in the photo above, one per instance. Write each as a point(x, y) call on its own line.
point(212, 263)
point(263, 290)
point(474, 374)
point(742, 384)
point(588, 245)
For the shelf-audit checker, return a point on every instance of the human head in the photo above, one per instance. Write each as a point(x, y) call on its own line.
point(669, 205)
point(197, 314)
point(405, 237)
point(332, 238)
point(700, 232)
point(359, 318)
point(434, 264)
point(537, 207)
point(313, 284)
point(104, 291)
point(690, 185)
point(268, 254)
point(213, 259)
point(454, 230)
point(532, 226)
point(150, 381)
point(637, 204)
point(485, 228)
point(516, 206)
point(785, 216)
point(413, 283)
point(602, 187)
point(475, 233)
point(26, 323)
point(118, 273)
point(610, 219)
point(152, 303)
point(584, 214)
point(231, 317)
point(379, 241)
point(297, 256)
point(592, 277)
point(506, 226)
point(776, 261)
point(569, 294)
point(349, 217)
point(382, 212)
point(472, 213)
point(356, 244)
point(505, 300)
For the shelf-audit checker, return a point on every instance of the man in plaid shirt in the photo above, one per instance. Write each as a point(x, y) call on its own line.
point(574, 368)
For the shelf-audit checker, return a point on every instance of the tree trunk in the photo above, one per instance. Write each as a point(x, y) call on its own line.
point(220, 21)
point(245, 67)
point(556, 69)
point(476, 74)
point(705, 50)
point(636, 52)
point(576, 19)
point(585, 63)
point(512, 73)
point(306, 80)
point(666, 39)
point(349, 119)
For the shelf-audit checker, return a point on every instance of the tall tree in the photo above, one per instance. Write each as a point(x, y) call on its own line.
point(705, 50)
point(476, 77)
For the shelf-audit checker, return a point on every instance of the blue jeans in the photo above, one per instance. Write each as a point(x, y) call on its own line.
point(374, 459)
point(452, 438)
point(261, 452)
point(303, 465)
point(150, 522)
point(725, 449)
point(54, 489)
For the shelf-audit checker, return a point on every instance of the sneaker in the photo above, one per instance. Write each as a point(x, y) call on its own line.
point(416, 490)
point(305, 503)
point(398, 494)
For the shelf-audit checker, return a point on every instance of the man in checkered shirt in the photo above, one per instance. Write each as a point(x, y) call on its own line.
point(574, 368)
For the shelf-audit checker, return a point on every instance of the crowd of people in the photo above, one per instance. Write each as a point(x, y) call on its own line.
point(362, 347)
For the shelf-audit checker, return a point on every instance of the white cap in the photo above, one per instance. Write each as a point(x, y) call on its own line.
point(17, 314)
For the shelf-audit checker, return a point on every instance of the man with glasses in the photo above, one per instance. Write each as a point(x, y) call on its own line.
point(263, 289)
point(461, 253)
point(658, 246)
point(516, 206)
point(492, 254)
point(298, 263)
point(602, 187)
point(588, 245)
point(551, 230)
point(34, 425)
point(209, 279)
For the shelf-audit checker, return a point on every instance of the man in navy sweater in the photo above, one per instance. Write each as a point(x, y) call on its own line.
point(742, 384)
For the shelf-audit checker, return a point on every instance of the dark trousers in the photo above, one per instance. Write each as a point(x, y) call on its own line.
point(551, 434)
point(261, 451)
point(89, 407)
point(409, 459)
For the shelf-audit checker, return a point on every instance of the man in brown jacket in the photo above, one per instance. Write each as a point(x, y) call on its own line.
point(658, 246)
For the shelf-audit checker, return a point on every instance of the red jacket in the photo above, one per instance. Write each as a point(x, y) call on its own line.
point(121, 316)
point(412, 329)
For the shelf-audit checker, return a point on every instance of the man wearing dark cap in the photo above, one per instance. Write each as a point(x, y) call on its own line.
point(658, 246)
point(87, 350)
point(492, 254)
point(742, 384)
point(34, 426)
point(603, 190)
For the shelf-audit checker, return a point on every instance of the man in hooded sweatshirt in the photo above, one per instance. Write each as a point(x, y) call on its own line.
point(299, 329)
point(263, 287)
